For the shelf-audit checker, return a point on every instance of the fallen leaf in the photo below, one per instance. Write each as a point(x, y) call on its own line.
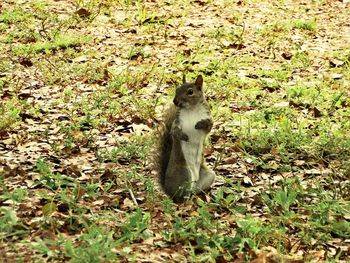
point(82, 12)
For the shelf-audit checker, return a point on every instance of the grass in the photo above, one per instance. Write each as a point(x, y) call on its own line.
point(83, 85)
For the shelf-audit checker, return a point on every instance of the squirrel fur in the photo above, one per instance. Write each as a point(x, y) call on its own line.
point(187, 122)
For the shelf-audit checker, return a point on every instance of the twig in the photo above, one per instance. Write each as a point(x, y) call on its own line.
point(133, 197)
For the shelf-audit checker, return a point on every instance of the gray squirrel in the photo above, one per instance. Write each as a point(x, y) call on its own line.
point(182, 169)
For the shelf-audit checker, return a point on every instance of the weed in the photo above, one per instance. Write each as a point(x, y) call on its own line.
point(134, 228)
point(16, 196)
point(10, 225)
point(125, 151)
point(97, 244)
point(13, 16)
point(309, 25)
point(60, 41)
point(10, 114)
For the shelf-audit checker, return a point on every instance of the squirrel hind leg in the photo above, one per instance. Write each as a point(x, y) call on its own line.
point(206, 178)
point(177, 184)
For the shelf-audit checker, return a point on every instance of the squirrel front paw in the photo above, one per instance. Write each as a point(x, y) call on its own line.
point(205, 124)
point(179, 134)
point(184, 137)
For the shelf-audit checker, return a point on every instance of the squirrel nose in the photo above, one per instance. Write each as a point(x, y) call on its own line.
point(176, 102)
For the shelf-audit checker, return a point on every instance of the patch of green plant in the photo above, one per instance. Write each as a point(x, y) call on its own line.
point(281, 27)
point(143, 15)
point(288, 202)
point(232, 34)
point(18, 195)
point(22, 35)
point(202, 235)
point(77, 134)
point(278, 74)
point(333, 145)
point(285, 132)
point(40, 6)
point(325, 223)
point(95, 246)
point(54, 72)
point(279, 201)
point(227, 199)
point(309, 25)
point(10, 225)
point(249, 233)
point(134, 228)
point(54, 181)
point(3, 27)
point(126, 151)
point(50, 180)
point(182, 230)
point(151, 190)
point(46, 248)
point(301, 59)
point(133, 53)
point(69, 198)
point(60, 41)
point(273, 129)
point(10, 114)
point(302, 93)
point(13, 16)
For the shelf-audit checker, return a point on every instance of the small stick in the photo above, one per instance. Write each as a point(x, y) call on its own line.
point(133, 197)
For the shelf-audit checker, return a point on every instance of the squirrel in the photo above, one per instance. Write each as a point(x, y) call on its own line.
point(187, 122)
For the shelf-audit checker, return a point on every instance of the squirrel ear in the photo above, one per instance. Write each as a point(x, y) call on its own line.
point(184, 78)
point(199, 82)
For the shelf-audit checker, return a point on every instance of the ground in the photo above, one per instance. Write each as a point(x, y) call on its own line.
point(83, 87)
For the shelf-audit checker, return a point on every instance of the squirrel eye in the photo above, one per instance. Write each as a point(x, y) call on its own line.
point(190, 92)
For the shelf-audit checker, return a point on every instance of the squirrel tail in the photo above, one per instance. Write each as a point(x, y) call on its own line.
point(164, 145)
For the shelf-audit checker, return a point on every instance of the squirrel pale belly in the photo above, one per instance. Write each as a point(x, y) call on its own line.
point(187, 123)
point(193, 148)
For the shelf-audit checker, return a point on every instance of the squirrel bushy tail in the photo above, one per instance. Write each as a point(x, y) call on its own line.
point(164, 143)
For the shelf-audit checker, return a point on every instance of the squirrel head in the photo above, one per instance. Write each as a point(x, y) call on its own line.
point(189, 93)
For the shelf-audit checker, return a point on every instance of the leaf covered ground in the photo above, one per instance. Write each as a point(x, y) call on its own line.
point(83, 84)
